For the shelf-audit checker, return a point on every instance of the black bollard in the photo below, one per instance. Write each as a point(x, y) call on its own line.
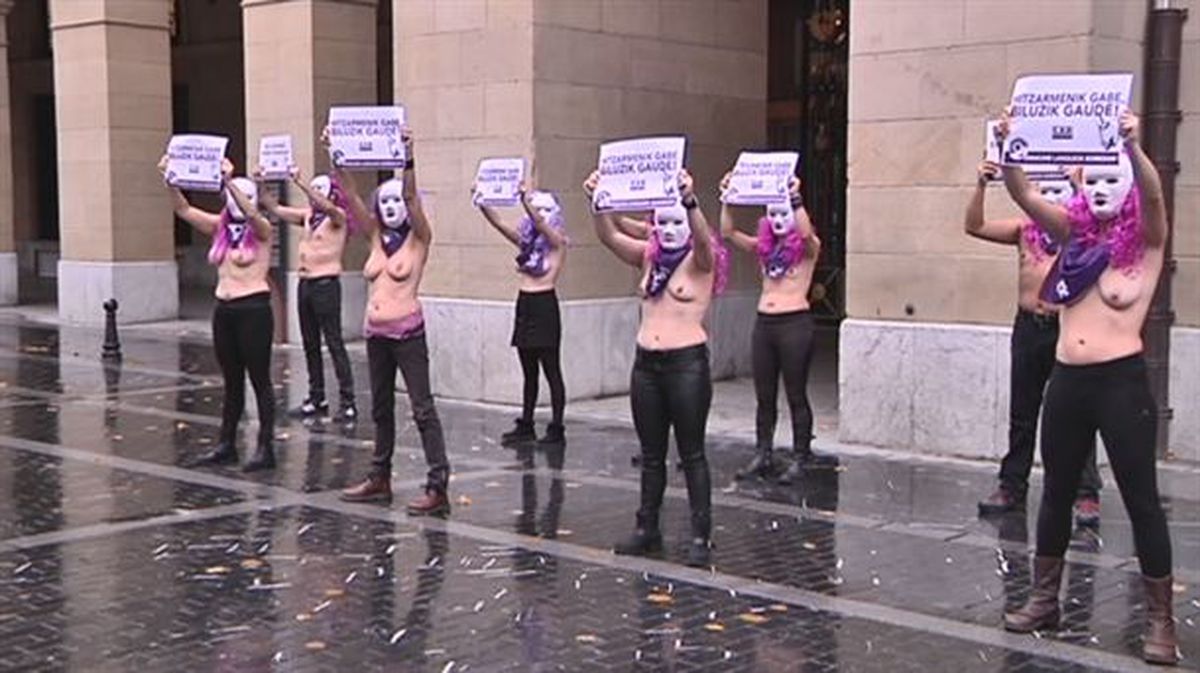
point(112, 344)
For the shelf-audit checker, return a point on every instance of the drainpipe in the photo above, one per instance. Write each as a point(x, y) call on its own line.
point(1161, 117)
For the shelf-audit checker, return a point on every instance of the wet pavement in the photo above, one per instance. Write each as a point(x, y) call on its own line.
point(116, 556)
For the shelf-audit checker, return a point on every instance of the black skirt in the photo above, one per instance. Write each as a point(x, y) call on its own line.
point(537, 323)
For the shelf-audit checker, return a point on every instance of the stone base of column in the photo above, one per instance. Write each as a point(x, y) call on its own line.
point(354, 306)
point(146, 291)
point(470, 355)
point(8, 278)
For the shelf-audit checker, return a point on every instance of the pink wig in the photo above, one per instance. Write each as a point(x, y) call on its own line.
point(221, 243)
point(1122, 233)
point(793, 244)
point(337, 194)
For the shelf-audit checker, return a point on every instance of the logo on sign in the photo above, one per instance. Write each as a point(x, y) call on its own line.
point(1062, 133)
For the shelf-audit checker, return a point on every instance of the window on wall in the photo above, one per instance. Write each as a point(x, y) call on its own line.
point(807, 65)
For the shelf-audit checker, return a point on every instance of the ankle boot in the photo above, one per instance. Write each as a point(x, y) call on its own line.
point(223, 453)
point(1041, 610)
point(433, 502)
point(646, 539)
point(263, 458)
point(555, 436)
point(1160, 645)
point(761, 465)
point(522, 432)
point(700, 550)
point(377, 487)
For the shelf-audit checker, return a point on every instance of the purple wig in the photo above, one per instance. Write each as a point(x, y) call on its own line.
point(222, 243)
point(1123, 233)
point(337, 195)
point(792, 249)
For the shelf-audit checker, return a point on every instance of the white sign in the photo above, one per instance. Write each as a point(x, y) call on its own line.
point(498, 181)
point(194, 162)
point(760, 178)
point(275, 157)
point(1036, 173)
point(1067, 119)
point(639, 174)
point(366, 137)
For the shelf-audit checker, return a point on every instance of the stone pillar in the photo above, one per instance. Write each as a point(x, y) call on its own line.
point(8, 254)
point(301, 57)
point(520, 77)
point(112, 82)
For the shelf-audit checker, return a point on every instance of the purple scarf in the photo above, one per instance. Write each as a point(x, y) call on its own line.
point(781, 258)
point(393, 239)
point(1039, 241)
point(1077, 269)
point(531, 260)
point(662, 266)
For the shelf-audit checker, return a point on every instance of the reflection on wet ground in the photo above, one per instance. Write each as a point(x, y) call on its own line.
point(115, 556)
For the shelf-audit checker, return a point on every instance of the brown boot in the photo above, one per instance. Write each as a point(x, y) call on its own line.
point(375, 488)
point(1160, 646)
point(1041, 610)
point(432, 502)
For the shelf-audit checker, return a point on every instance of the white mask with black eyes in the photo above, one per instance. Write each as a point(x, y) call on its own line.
point(250, 190)
point(671, 227)
point(1057, 192)
point(782, 217)
point(1107, 187)
point(389, 200)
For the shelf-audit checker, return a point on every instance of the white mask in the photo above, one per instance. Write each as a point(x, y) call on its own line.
point(782, 217)
point(1106, 187)
point(671, 227)
point(322, 185)
point(1057, 192)
point(545, 205)
point(247, 187)
point(389, 199)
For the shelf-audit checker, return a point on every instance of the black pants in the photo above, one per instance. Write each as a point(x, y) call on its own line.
point(783, 344)
point(242, 329)
point(411, 356)
point(1032, 346)
point(320, 307)
point(673, 389)
point(1114, 398)
point(548, 358)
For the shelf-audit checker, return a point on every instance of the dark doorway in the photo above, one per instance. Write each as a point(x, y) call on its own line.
point(808, 55)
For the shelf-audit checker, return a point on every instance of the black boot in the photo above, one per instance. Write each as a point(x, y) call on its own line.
point(762, 465)
point(520, 434)
point(223, 453)
point(263, 458)
point(806, 459)
point(555, 436)
point(646, 540)
point(700, 550)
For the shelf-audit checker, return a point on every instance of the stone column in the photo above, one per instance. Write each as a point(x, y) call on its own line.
point(8, 255)
point(301, 57)
point(112, 82)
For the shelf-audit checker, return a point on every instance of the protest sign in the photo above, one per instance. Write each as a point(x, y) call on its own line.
point(275, 157)
point(1036, 173)
point(194, 162)
point(366, 137)
point(639, 174)
point(1067, 119)
point(498, 181)
point(760, 178)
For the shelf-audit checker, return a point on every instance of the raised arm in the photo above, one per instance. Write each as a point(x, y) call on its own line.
point(1154, 205)
point(702, 248)
point(1053, 218)
point(506, 230)
point(202, 221)
point(412, 197)
point(632, 226)
point(729, 230)
point(625, 247)
point(996, 231)
point(804, 225)
point(261, 225)
point(336, 214)
point(266, 197)
point(358, 209)
point(553, 236)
